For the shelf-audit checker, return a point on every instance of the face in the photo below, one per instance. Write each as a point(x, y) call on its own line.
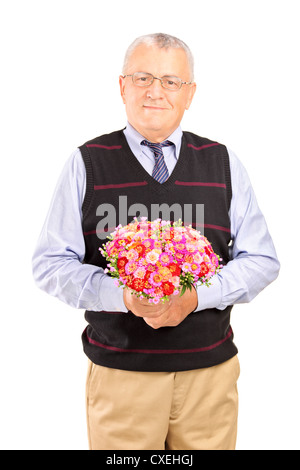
point(154, 111)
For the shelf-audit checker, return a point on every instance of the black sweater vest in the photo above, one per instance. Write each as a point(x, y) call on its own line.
point(118, 188)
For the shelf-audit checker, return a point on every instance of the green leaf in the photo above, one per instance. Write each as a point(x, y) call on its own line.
point(183, 290)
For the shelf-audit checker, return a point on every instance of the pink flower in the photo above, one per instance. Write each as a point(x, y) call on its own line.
point(186, 267)
point(155, 279)
point(132, 255)
point(149, 243)
point(152, 256)
point(180, 246)
point(195, 268)
point(140, 272)
point(130, 267)
point(165, 259)
point(175, 281)
point(155, 300)
point(214, 259)
point(191, 247)
point(197, 257)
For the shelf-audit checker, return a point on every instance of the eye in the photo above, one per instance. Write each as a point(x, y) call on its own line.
point(171, 83)
point(142, 79)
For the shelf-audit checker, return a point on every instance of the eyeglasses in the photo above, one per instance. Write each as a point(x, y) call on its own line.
point(144, 79)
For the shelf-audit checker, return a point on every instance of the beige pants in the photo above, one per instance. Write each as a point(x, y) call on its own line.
point(190, 410)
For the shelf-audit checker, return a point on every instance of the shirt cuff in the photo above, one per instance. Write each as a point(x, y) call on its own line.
point(111, 296)
point(209, 297)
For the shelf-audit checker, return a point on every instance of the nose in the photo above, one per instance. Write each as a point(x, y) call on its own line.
point(155, 90)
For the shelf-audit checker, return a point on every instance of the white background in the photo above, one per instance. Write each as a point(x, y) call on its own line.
point(59, 87)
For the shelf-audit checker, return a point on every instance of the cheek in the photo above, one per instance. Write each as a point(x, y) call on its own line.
point(185, 102)
point(179, 106)
point(133, 101)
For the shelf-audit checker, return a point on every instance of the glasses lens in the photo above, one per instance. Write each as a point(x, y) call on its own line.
point(142, 79)
point(171, 83)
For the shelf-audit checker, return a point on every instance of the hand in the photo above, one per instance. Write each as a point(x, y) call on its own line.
point(179, 308)
point(171, 313)
point(141, 307)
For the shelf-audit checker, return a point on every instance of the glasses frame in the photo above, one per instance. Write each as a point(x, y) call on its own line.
point(158, 78)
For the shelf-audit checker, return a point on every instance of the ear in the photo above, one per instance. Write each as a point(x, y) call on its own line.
point(192, 91)
point(122, 87)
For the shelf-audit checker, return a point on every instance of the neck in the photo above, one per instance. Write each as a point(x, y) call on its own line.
point(154, 136)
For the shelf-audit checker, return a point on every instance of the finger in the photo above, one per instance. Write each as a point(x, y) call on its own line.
point(154, 323)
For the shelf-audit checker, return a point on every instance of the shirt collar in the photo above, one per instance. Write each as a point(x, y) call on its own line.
point(134, 139)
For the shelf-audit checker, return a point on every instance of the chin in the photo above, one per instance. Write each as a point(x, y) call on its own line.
point(155, 124)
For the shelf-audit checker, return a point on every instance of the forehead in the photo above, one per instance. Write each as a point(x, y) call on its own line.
point(159, 61)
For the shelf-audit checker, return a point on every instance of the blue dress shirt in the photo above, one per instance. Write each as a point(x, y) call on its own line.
point(57, 260)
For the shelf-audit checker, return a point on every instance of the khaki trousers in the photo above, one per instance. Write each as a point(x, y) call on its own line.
point(190, 410)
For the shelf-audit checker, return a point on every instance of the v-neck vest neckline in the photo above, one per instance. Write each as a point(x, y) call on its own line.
point(138, 168)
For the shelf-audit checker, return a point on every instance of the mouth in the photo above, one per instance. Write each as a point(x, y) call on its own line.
point(154, 108)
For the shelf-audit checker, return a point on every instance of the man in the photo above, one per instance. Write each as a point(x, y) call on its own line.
point(160, 376)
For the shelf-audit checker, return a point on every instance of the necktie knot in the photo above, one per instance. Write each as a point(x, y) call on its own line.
point(157, 146)
point(160, 171)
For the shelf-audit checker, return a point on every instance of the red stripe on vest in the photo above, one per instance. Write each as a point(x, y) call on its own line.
point(160, 351)
point(121, 185)
point(203, 146)
point(196, 183)
point(106, 147)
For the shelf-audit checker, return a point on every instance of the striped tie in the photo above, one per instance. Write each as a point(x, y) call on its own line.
point(160, 171)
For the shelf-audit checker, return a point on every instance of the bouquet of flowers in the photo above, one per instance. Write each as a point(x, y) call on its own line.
point(159, 258)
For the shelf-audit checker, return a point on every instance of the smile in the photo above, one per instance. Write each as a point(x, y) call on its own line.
point(155, 108)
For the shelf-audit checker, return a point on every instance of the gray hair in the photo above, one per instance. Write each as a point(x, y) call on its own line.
point(163, 41)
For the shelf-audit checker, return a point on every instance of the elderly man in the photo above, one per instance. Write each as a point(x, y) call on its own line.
point(160, 376)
